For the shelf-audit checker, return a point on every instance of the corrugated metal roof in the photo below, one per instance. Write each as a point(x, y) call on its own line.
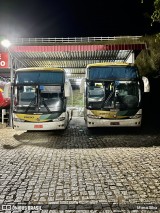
point(73, 57)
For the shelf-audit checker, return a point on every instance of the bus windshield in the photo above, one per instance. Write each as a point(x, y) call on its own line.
point(39, 98)
point(113, 95)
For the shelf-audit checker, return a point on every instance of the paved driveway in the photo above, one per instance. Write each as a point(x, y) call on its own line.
point(80, 170)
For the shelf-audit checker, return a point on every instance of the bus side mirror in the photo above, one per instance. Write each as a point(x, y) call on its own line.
point(82, 85)
point(146, 84)
point(67, 89)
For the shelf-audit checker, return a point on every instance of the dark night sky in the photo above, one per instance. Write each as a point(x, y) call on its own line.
point(71, 18)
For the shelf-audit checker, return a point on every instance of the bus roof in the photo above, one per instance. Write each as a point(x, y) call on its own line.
point(104, 64)
point(41, 69)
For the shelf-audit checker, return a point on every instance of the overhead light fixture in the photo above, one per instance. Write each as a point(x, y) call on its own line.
point(6, 43)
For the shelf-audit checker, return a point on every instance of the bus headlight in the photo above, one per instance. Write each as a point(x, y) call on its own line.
point(135, 116)
point(93, 116)
point(61, 118)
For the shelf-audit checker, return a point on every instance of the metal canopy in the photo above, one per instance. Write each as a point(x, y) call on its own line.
point(73, 56)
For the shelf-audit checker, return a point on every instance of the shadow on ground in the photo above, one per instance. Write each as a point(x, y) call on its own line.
point(81, 138)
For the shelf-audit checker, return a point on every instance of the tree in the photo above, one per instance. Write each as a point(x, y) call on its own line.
point(156, 14)
point(148, 61)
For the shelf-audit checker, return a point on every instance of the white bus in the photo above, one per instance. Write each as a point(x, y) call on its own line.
point(40, 98)
point(113, 95)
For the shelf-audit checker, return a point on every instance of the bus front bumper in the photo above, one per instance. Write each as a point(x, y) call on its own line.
point(40, 126)
point(132, 122)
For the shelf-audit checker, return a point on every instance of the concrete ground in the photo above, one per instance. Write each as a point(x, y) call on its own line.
point(80, 170)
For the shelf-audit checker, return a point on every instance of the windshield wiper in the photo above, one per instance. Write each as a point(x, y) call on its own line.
point(105, 102)
point(32, 103)
point(44, 103)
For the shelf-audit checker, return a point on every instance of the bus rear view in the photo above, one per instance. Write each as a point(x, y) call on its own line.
point(113, 95)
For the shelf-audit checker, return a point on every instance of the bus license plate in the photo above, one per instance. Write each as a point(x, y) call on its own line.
point(38, 126)
point(114, 123)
